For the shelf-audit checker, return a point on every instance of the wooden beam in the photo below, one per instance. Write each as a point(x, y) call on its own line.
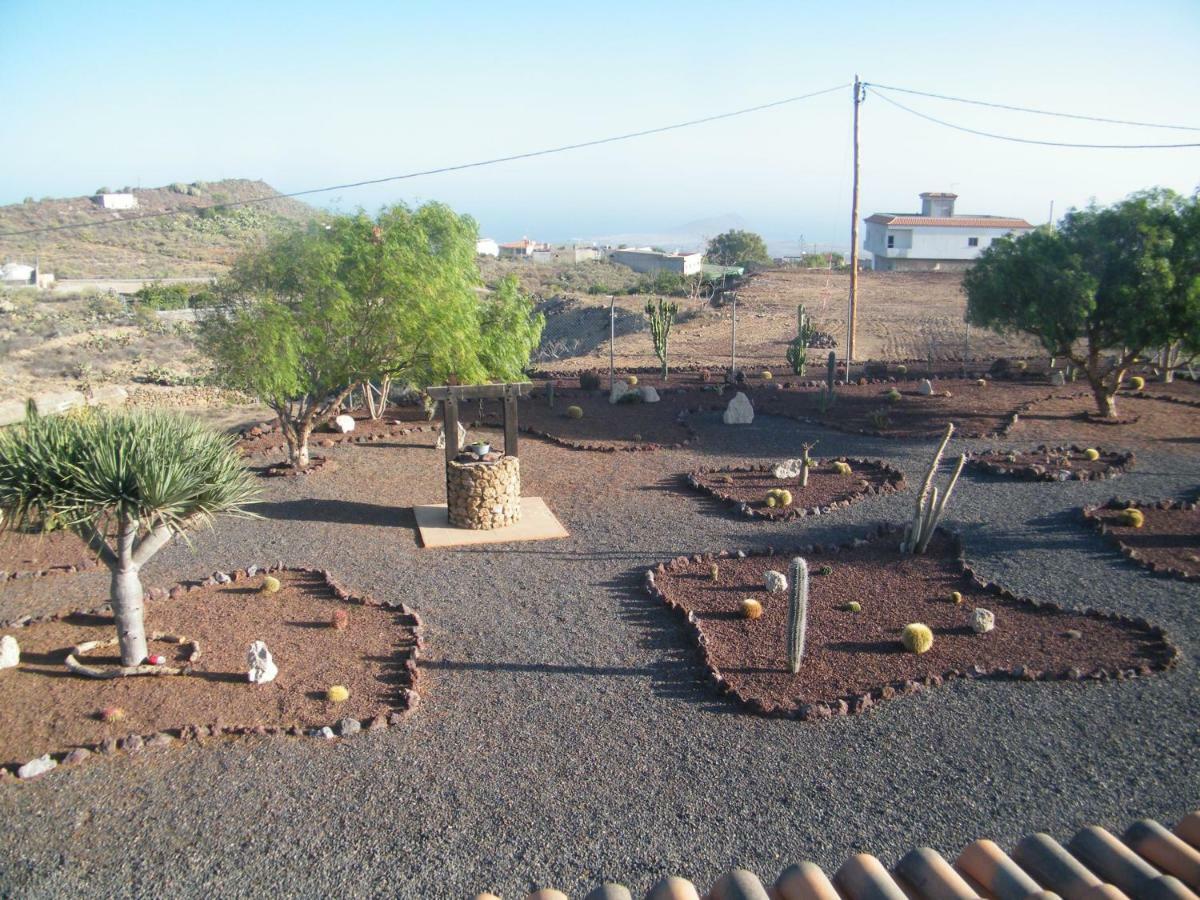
point(510, 426)
point(450, 422)
point(479, 391)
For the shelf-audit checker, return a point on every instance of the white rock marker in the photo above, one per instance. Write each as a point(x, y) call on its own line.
point(10, 652)
point(262, 666)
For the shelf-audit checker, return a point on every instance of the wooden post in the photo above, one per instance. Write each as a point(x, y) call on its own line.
point(450, 422)
point(510, 424)
point(733, 340)
point(612, 337)
point(851, 322)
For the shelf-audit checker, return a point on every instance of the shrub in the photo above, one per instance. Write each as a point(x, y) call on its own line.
point(1132, 518)
point(879, 419)
point(751, 608)
point(574, 412)
point(892, 396)
point(917, 638)
point(589, 381)
point(842, 468)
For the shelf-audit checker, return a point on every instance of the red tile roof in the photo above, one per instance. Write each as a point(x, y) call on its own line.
point(910, 220)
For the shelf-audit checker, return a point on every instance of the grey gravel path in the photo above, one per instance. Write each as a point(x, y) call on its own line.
point(565, 735)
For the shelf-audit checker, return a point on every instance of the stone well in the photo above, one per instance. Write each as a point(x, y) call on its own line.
point(483, 494)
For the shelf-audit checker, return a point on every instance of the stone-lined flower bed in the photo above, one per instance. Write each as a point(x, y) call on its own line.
point(745, 487)
point(1167, 541)
point(211, 625)
point(316, 465)
point(854, 659)
point(27, 555)
point(268, 438)
point(1052, 463)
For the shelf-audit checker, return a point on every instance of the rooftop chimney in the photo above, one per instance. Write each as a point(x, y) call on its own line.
point(938, 204)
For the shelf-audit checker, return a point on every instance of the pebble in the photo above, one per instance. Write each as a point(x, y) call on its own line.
point(348, 726)
point(36, 767)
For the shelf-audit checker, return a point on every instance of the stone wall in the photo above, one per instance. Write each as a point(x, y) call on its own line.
point(483, 495)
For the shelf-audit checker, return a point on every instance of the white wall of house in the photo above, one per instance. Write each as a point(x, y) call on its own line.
point(117, 201)
point(487, 247)
point(929, 242)
point(650, 261)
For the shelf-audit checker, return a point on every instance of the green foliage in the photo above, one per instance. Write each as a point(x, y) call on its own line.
point(738, 248)
point(661, 317)
point(509, 330)
point(589, 381)
point(670, 284)
point(917, 638)
point(822, 260)
point(1123, 278)
point(797, 352)
point(157, 295)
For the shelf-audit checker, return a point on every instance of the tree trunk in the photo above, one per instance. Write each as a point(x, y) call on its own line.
point(297, 433)
point(1106, 401)
point(126, 598)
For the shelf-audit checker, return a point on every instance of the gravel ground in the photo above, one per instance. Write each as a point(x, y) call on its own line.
point(565, 735)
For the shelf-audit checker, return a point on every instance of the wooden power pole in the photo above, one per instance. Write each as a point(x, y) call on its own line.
point(853, 310)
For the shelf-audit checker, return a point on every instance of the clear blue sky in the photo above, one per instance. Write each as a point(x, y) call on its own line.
point(304, 94)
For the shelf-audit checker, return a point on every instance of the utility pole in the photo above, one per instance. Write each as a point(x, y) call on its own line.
point(853, 310)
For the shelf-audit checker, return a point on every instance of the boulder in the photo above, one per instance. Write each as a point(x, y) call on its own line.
point(775, 582)
point(925, 387)
point(441, 438)
point(36, 767)
point(982, 620)
point(262, 666)
point(344, 423)
point(739, 411)
point(619, 390)
point(788, 468)
point(649, 394)
point(1058, 379)
point(10, 652)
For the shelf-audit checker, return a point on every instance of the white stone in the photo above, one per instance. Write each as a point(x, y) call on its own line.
point(10, 652)
point(649, 394)
point(262, 667)
point(982, 620)
point(36, 767)
point(775, 582)
point(925, 388)
point(739, 411)
point(441, 438)
point(788, 468)
point(344, 423)
point(1057, 379)
point(619, 390)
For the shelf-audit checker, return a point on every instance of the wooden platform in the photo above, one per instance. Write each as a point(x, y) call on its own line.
point(537, 524)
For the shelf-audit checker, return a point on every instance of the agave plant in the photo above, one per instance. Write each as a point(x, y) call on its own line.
point(126, 482)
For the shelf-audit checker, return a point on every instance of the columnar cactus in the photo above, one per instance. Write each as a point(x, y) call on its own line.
point(661, 318)
point(929, 508)
point(797, 622)
point(797, 353)
point(807, 463)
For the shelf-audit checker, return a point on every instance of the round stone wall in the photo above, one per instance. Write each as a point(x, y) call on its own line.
point(484, 495)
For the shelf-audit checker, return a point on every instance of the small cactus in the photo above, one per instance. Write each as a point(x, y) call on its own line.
point(337, 694)
point(766, 375)
point(842, 468)
point(892, 396)
point(982, 382)
point(1021, 365)
point(779, 497)
point(917, 638)
point(270, 585)
point(852, 606)
point(902, 369)
point(631, 381)
point(772, 501)
point(825, 570)
point(574, 412)
point(111, 714)
point(956, 597)
point(339, 620)
point(1137, 382)
point(714, 573)
point(1132, 518)
point(1091, 454)
point(797, 621)
point(751, 608)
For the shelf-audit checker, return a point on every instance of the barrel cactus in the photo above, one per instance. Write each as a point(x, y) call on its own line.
point(917, 637)
point(751, 608)
point(1137, 382)
point(270, 585)
point(1091, 454)
point(1132, 518)
point(574, 412)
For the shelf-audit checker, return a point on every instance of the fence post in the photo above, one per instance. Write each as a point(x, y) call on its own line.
point(733, 340)
point(612, 337)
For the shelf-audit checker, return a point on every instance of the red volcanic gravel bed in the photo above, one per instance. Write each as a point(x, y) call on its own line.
point(853, 660)
point(746, 488)
point(268, 438)
point(316, 465)
point(1052, 463)
point(1141, 420)
point(604, 426)
point(24, 555)
point(48, 710)
point(1168, 541)
point(976, 411)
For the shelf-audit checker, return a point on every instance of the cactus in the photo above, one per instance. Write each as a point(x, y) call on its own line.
point(339, 620)
point(631, 381)
point(589, 381)
point(902, 369)
point(956, 597)
point(929, 508)
point(917, 638)
point(825, 570)
point(111, 714)
point(270, 585)
point(879, 419)
point(842, 468)
point(852, 606)
point(1137, 382)
point(1132, 518)
point(751, 608)
point(766, 375)
point(337, 694)
point(574, 412)
point(1091, 454)
point(661, 317)
point(714, 573)
point(797, 352)
point(806, 462)
point(779, 497)
point(797, 621)
point(892, 396)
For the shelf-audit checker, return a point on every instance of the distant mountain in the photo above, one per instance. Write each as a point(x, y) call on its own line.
point(196, 245)
point(693, 235)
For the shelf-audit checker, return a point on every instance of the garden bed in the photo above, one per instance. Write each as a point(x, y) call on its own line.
point(746, 488)
point(1052, 463)
point(267, 437)
point(1141, 419)
point(855, 659)
point(47, 710)
point(316, 465)
point(25, 555)
point(1168, 541)
point(602, 426)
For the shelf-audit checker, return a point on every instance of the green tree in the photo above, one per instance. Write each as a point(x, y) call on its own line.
point(356, 299)
point(1109, 285)
point(127, 483)
point(738, 248)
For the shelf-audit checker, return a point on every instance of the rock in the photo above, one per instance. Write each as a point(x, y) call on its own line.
point(1057, 379)
point(925, 388)
point(441, 438)
point(10, 652)
point(262, 666)
point(788, 468)
point(325, 732)
point(78, 755)
point(36, 767)
point(739, 411)
point(132, 743)
point(221, 578)
point(775, 582)
point(159, 740)
point(344, 423)
point(251, 571)
point(348, 726)
point(1073, 634)
point(619, 390)
point(982, 620)
point(649, 394)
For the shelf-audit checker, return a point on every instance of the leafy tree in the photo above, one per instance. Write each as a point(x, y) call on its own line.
point(127, 483)
point(1108, 286)
point(738, 248)
point(316, 312)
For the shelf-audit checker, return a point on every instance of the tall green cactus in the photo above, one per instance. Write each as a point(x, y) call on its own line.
point(929, 507)
point(661, 317)
point(797, 352)
point(805, 461)
point(797, 622)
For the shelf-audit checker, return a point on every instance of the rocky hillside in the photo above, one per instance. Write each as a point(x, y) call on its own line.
point(186, 245)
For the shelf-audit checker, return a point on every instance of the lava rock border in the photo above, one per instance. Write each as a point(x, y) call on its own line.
point(1119, 464)
point(1097, 522)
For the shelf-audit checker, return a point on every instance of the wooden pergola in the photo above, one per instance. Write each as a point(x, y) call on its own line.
point(452, 394)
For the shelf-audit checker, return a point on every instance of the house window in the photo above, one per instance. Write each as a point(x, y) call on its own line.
point(891, 241)
point(972, 242)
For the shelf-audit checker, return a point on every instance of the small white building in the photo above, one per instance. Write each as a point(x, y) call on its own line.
point(16, 273)
point(522, 249)
point(644, 259)
point(117, 201)
point(935, 239)
point(486, 247)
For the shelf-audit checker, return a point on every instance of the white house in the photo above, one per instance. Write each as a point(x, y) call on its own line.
point(117, 201)
point(643, 259)
point(935, 239)
point(16, 273)
point(522, 249)
point(486, 247)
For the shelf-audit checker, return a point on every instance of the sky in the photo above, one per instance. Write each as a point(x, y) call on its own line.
point(305, 95)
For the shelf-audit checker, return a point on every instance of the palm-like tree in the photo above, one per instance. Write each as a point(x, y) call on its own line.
point(126, 482)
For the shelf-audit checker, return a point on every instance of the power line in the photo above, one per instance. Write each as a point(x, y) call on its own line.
point(1040, 112)
point(438, 171)
point(1005, 137)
